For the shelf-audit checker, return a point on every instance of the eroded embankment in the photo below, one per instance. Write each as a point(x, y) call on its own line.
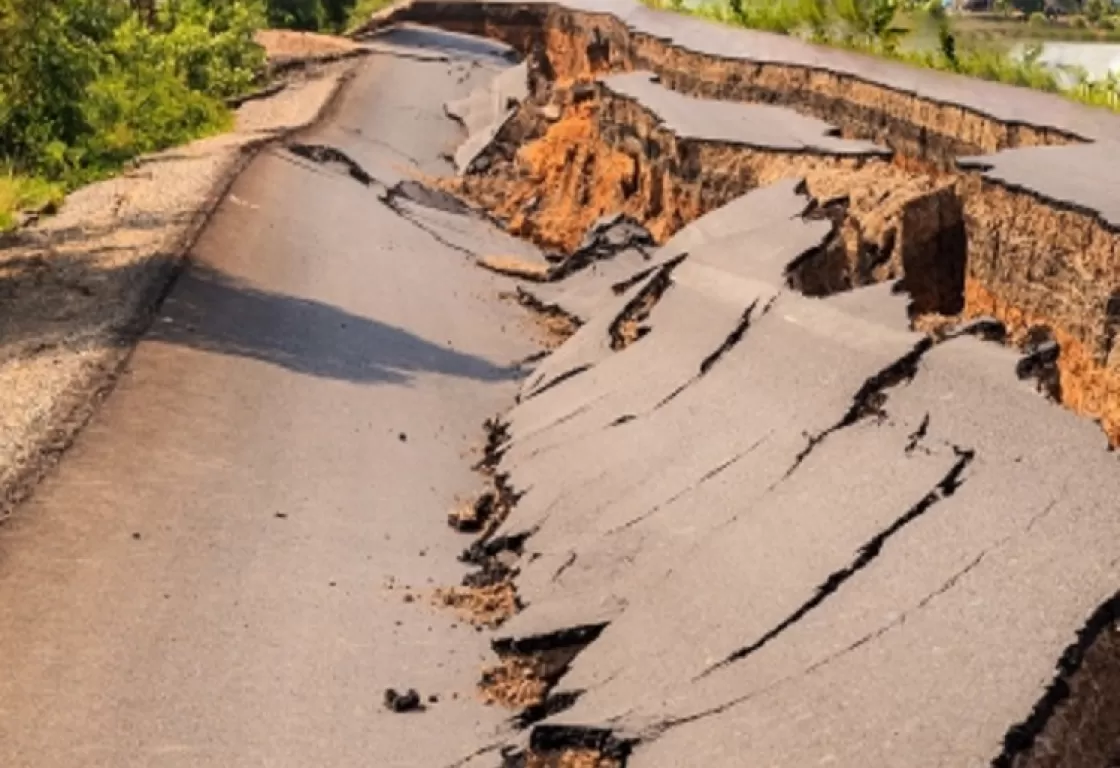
point(591, 153)
point(580, 44)
point(970, 245)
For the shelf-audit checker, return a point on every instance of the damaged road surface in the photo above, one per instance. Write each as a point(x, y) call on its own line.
point(231, 566)
point(809, 471)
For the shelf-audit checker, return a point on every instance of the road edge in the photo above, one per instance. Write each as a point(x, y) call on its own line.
point(79, 402)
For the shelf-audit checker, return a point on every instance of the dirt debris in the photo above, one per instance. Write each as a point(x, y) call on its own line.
point(469, 516)
point(487, 606)
point(409, 701)
point(570, 758)
point(553, 325)
point(286, 44)
point(515, 682)
point(515, 266)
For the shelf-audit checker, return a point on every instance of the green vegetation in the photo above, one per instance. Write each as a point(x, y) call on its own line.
point(918, 34)
point(87, 85)
point(322, 15)
point(24, 193)
point(362, 10)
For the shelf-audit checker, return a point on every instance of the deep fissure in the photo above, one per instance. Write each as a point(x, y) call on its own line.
point(944, 489)
point(869, 401)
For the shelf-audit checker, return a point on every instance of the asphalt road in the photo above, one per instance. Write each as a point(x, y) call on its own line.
point(204, 581)
point(812, 536)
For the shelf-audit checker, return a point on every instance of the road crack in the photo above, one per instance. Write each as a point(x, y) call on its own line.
point(868, 402)
point(944, 488)
point(733, 338)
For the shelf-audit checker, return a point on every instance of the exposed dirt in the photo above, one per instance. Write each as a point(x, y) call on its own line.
point(514, 266)
point(1031, 264)
point(630, 326)
point(570, 758)
point(486, 606)
point(1086, 731)
point(558, 185)
point(1025, 256)
point(516, 682)
point(552, 324)
point(579, 45)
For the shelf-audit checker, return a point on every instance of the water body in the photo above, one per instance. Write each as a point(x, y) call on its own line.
point(1098, 59)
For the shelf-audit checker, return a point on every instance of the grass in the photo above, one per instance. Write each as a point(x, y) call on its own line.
point(362, 10)
point(997, 28)
point(917, 37)
point(20, 194)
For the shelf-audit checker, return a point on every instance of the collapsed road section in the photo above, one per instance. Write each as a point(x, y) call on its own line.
point(816, 475)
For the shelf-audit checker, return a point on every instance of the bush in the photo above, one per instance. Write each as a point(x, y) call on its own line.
point(1038, 19)
point(361, 11)
point(85, 85)
point(22, 193)
point(320, 15)
point(211, 46)
point(296, 14)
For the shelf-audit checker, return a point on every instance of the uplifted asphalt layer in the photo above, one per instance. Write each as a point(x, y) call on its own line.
point(789, 579)
point(757, 125)
point(1079, 176)
point(1008, 104)
point(1065, 176)
point(486, 109)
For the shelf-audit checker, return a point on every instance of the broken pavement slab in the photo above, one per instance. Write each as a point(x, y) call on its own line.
point(929, 119)
point(650, 683)
point(758, 125)
point(603, 533)
point(485, 111)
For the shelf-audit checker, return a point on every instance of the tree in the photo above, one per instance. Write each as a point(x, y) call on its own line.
point(87, 84)
point(1095, 10)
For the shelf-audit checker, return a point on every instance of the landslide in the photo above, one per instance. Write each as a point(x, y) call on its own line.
point(964, 246)
point(961, 245)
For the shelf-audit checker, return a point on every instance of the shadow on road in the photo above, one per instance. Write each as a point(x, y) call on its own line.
point(208, 310)
point(49, 301)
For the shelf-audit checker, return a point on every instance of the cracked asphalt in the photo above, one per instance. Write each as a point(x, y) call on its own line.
point(808, 534)
point(830, 542)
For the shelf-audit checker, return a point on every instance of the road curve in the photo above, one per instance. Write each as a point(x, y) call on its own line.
point(204, 581)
